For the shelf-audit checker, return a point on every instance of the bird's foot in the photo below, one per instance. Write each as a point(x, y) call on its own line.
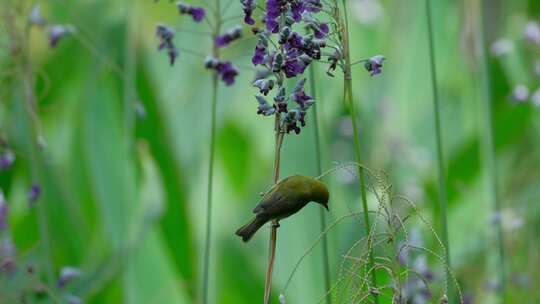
point(275, 224)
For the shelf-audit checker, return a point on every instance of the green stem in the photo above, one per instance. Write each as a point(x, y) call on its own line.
point(22, 38)
point(215, 86)
point(349, 100)
point(318, 159)
point(489, 148)
point(438, 139)
point(129, 71)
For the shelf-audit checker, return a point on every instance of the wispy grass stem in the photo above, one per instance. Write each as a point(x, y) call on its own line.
point(349, 100)
point(438, 138)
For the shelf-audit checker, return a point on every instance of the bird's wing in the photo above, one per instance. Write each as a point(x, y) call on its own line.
point(270, 197)
point(278, 204)
point(267, 201)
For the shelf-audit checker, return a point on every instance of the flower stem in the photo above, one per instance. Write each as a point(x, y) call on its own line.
point(489, 147)
point(349, 100)
point(275, 224)
point(318, 159)
point(213, 114)
point(438, 138)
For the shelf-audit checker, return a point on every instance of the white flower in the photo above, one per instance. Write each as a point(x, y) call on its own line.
point(520, 93)
point(532, 32)
point(536, 98)
point(502, 47)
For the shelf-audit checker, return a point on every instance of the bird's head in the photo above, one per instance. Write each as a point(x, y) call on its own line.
point(320, 194)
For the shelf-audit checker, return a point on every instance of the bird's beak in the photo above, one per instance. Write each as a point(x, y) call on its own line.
point(326, 206)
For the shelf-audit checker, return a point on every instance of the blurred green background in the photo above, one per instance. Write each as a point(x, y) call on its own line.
point(124, 166)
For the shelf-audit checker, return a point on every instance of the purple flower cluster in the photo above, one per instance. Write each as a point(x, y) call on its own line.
point(166, 36)
point(286, 52)
point(225, 69)
point(228, 37)
point(295, 9)
point(197, 13)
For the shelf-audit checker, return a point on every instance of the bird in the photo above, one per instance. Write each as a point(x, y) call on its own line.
point(284, 199)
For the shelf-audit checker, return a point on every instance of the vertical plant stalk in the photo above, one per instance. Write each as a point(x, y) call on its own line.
point(489, 146)
point(440, 155)
point(275, 225)
point(349, 100)
point(213, 114)
point(318, 160)
point(130, 53)
point(21, 39)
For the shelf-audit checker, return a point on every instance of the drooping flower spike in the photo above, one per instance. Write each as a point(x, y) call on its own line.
point(166, 36)
point(197, 13)
point(225, 69)
point(228, 37)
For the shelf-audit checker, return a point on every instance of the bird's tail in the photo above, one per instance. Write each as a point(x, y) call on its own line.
point(249, 229)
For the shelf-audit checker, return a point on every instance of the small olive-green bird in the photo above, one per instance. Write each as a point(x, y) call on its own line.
point(286, 198)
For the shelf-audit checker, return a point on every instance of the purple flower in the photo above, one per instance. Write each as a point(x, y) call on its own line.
point(281, 101)
point(291, 120)
point(225, 69)
point(248, 6)
point(166, 36)
point(264, 107)
point(297, 8)
point(34, 193)
point(374, 65)
point(228, 37)
point(320, 30)
point(294, 41)
point(274, 9)
point(197, 13)
point(3, 212)
point(227, 72)
point(264, 85)
point(299, 95)
point(260, 53)
point(312, 47)
point(7, 158)
point(67, 274)
point(58, 31)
